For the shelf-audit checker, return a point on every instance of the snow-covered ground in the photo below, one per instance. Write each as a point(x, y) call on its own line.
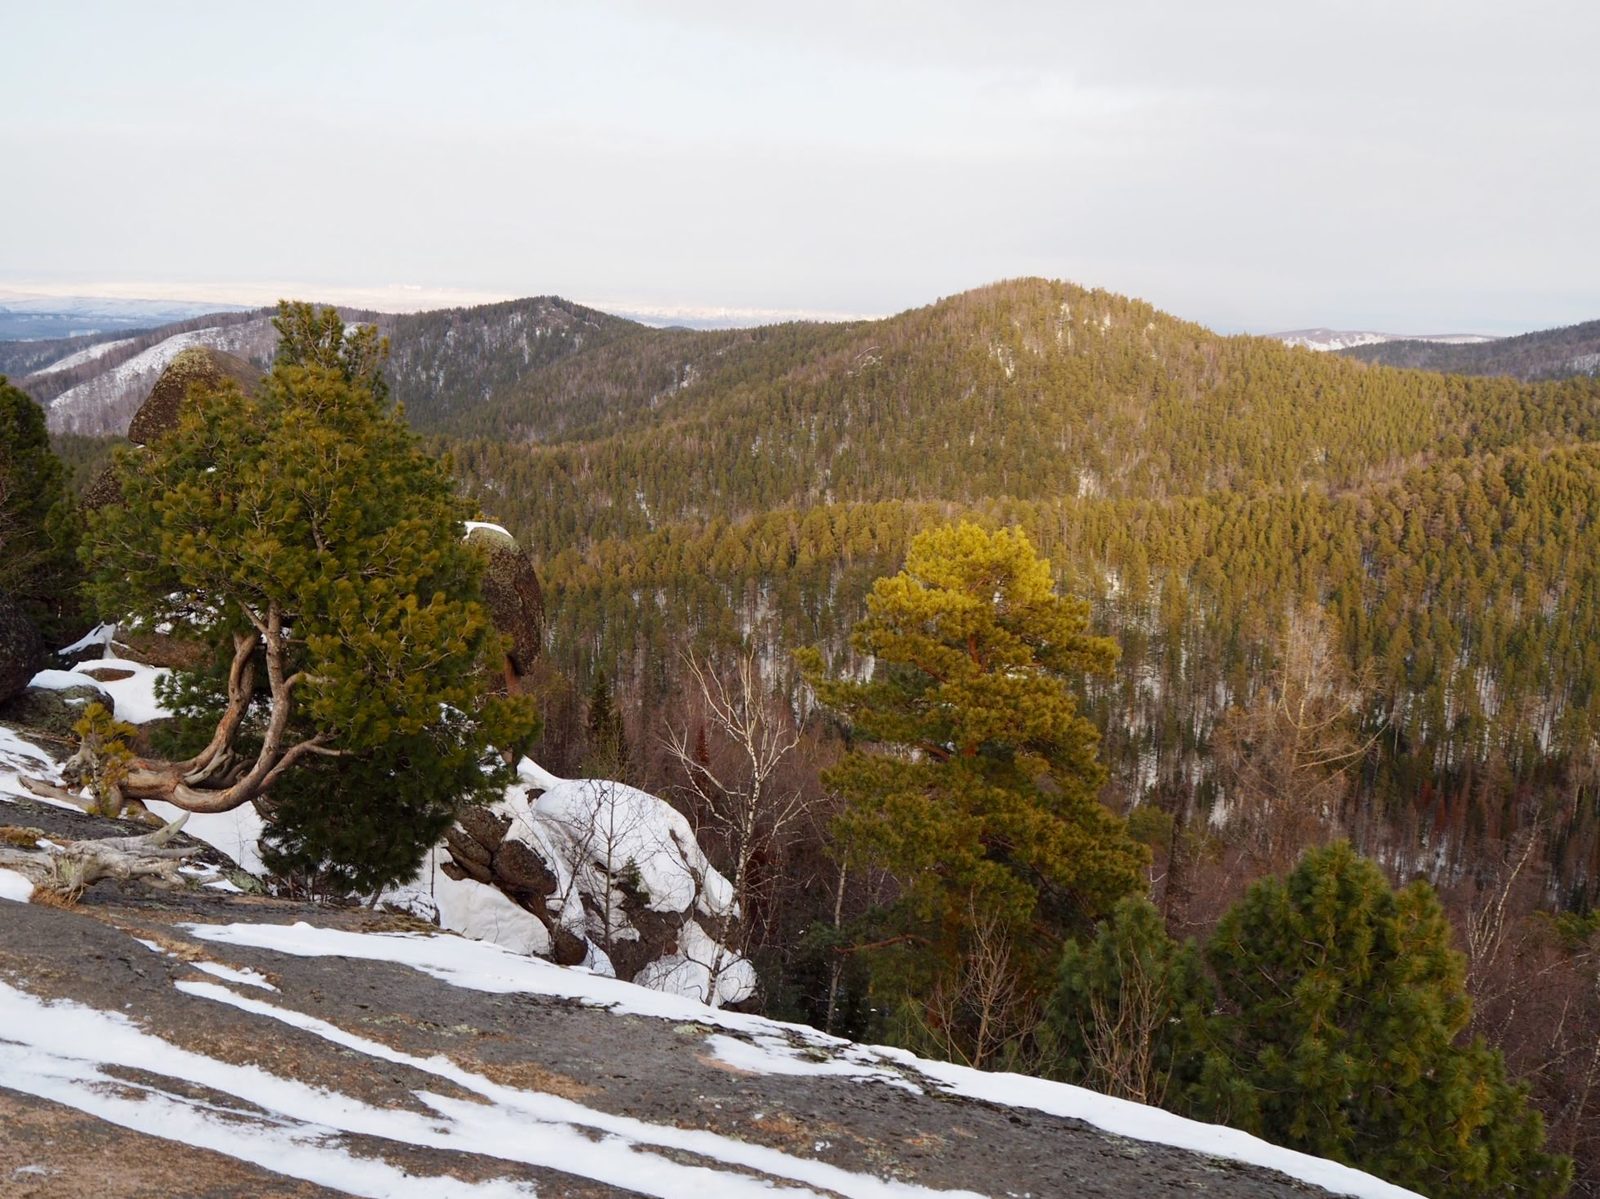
point(70, 1054)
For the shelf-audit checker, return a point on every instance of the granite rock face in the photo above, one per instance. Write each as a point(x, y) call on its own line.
point(198, 366)
point(513, 596)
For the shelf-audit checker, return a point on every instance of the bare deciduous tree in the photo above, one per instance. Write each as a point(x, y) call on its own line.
point(733, 770)
point(1285, 759)
point(986, 1011)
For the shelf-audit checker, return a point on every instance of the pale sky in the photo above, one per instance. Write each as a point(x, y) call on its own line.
point(1402, 166)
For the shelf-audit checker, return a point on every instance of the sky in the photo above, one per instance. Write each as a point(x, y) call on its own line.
point(1405, 166)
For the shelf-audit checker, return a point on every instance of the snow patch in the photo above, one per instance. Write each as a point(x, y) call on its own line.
point(135, 696)
point(247, 977)
point(235, 834)
point(702, 970)
point(15, 887)
point(781, 1048)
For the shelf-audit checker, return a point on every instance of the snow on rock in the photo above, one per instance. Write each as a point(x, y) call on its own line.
point(100, 635)
point(701, 969)
point(490, 915)
point(15, 887)
point(613, 828)
point(135, 695)
point(19, 757)
point(627, 891)
point(64, 680)
point(489, 526)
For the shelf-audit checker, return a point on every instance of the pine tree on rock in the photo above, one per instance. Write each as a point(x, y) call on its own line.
point(302, 531)
point(1345, 1008)
point(975, 782)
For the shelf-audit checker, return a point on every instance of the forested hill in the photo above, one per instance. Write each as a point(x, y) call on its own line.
point(1027, 389)
point(441, 363)
point(1199, 489)
point(1547, 354)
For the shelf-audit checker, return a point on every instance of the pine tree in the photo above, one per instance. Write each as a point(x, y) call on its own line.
point(38, 520)
point(1345, 1009)
point(1129, 1015)
point(607, 755)
point(975, 781)
point(302, 532)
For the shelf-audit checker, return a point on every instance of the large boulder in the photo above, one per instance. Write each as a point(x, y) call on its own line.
point(615, 877)
point(196, 366)
point(22, 650)
point(512, 594)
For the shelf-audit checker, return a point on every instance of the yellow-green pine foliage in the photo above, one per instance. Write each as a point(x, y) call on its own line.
point(975, 779)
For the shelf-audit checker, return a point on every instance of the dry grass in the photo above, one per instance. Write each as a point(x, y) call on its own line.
point(528, 1076)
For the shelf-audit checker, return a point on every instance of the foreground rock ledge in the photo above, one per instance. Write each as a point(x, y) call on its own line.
point(667, 1072)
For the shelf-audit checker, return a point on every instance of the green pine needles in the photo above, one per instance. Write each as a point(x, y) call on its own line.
point(1331, 1018)
point(301, 530)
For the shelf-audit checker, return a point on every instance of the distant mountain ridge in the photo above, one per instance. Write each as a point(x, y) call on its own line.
point(28, 316)
point(440, 361)
point(1546, 354)
point(1344, 339)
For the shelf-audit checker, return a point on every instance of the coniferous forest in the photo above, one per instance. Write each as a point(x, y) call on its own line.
point(1321, 637)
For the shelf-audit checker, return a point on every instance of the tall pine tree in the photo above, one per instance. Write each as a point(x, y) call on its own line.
point(974, 779)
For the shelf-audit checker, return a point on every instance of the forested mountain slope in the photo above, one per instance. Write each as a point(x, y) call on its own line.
point(441, 363)
point(1547, 354)
point(1028, 389)
point(1199, 488)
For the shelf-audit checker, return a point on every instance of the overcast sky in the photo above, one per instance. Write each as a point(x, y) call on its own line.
point(1404, 166)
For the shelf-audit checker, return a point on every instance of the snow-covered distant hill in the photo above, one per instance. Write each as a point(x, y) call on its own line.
point(440, 361)
point(107, 401)
point(1344, 339)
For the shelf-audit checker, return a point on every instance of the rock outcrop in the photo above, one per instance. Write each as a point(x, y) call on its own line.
point(53, 710)
point(198, 366)
point(613, 876)
point(285, 1049)
point(512, 594)
point(22, 650)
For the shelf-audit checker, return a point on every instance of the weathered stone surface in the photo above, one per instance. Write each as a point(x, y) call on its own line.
point(22, 650)
point(514, 598)
point(665, 1072)
point(104, 491)
point(197, 366)
point(522, 874)
point(50, 711)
